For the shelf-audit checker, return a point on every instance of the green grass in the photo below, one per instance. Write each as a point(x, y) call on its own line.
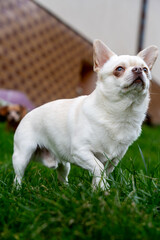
point(45, 209)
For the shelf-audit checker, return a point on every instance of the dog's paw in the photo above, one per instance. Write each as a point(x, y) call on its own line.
point(102, 184)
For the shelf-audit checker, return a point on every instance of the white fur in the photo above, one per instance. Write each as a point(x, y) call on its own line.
point(89, 130)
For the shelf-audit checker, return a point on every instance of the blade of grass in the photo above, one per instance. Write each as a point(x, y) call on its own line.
point(142, 156)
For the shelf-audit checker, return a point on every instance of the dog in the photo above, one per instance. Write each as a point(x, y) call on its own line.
point(12, 114)
point(93, 131)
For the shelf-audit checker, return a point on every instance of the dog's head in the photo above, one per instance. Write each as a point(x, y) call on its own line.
point(12, 114)
point(119, 75)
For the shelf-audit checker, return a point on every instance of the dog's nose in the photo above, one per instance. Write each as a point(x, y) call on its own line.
point(137, 70)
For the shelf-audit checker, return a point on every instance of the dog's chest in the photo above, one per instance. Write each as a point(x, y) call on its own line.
point(114, 141)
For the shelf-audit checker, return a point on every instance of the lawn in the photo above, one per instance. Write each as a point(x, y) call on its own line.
point(45, 209)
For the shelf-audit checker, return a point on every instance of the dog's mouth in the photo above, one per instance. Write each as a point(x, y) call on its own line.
point(137, 82)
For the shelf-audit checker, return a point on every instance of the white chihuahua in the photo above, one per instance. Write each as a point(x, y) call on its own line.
point(90, 131)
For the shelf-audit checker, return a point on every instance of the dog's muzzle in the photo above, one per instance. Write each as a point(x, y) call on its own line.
point(138, 79)
point(138, 74)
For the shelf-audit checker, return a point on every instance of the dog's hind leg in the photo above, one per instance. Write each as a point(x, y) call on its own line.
point(63, 171)
point(21, 158)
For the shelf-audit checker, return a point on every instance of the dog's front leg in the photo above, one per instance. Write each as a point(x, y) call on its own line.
point(87, 160)
point(111, 166)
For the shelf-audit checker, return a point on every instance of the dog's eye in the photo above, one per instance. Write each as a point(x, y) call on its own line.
point(119, 69)
point(145, 69)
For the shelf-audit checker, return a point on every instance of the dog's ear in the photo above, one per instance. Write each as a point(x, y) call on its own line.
point(23, 111)
point(149, 55)
point(4, 111)
point(101, 54)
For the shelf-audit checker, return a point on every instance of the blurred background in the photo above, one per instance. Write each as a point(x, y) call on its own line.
point(46, 46)
point(117, 23)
